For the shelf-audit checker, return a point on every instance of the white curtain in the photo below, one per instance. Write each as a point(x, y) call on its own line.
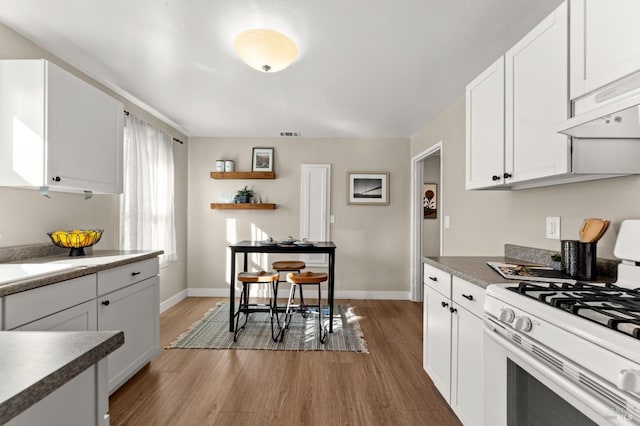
point(147, 208)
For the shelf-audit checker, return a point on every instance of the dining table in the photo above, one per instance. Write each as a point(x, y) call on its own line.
point(246, 247)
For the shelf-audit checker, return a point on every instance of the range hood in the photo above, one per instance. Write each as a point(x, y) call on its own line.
point(613, 113)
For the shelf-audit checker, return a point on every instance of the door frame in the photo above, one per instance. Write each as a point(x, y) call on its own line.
point(417, 180)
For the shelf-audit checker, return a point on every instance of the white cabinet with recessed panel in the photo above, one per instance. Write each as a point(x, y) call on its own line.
point(57, 131)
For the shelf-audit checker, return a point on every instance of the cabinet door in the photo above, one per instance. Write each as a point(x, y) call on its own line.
point(467, 378)
point(82, 317)
point(604, 43)
point(437, 340)
point(536, 75)
point(485, 128)
point(84, 134)
point(134, 310)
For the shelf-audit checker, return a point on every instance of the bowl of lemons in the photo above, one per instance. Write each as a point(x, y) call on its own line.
point(76, 240)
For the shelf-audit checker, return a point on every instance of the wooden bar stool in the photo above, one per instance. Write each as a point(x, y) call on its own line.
point(281, 266)
point(301, 279)
point(248, 278)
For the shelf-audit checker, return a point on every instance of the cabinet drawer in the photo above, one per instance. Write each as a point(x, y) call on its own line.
point(27, 306)
point(438, 280)
point(469, 296)
point(113, 279)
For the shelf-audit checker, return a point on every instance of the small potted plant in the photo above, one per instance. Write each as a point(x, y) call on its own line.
point(243, 195)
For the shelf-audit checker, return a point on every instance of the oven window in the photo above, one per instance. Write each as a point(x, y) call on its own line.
point(529, 402)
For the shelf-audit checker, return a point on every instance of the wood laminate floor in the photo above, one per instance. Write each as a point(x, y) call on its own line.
point(387, 386)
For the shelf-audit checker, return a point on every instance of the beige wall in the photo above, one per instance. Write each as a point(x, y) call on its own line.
point(26, 216)
point(483, 221)
point(372, 241)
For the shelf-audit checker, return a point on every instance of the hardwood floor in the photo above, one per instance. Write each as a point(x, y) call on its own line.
point(230, 387)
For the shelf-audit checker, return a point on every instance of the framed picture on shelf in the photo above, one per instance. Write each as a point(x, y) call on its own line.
point(430, 200)
point(368, 188)
point(262, 160)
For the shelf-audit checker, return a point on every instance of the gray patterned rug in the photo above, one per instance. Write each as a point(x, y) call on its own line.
point(211, 332)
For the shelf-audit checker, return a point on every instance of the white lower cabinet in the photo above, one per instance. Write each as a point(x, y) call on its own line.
point(453, 343)
point(82, 317)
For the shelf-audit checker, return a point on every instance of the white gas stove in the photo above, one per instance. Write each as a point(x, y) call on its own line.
point(579, 342)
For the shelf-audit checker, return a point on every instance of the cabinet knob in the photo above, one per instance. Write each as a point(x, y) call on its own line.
point(56, 178)
point(444, 304)
point(133, 274)
point(507, 175)
point(495, 177)
point(468, 296)
point(105, 302)
point(433, 278)
point(453, 310)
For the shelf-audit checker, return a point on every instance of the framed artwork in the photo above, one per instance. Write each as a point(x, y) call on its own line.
point(430, 200)
point(368, 188)
point(262, 160)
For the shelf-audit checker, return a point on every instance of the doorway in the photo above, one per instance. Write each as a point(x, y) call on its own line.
point(426, 224)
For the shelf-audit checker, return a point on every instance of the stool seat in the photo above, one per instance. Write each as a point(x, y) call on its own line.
point(307, 277)
point(288, 265)
point(258, 277)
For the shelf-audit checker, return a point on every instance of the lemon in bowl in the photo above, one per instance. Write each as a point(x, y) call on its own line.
point(76, 239)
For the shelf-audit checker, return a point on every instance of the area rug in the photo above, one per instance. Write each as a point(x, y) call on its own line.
point(212, 332)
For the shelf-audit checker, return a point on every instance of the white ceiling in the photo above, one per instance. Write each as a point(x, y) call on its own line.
point(366, 68)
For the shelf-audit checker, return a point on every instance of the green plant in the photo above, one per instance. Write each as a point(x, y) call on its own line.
point(245, 192)
point(556, 257)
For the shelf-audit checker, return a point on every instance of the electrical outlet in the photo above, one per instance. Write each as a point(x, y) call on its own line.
point(553, 228)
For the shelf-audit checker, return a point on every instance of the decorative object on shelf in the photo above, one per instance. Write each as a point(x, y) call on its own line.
point(368, 188)
point(262, 160)
point(228, 166)
point(76, 240)
point(265, 50)
point(243, 196)
point(219, 165)
point(430, 200)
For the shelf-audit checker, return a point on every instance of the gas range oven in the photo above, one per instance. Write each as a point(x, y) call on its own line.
point(566, 354)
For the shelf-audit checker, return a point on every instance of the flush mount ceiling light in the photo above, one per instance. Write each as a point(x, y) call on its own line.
point(265, 50)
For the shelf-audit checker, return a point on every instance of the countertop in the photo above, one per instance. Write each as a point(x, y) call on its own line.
point(34, 364)
point(97, 261)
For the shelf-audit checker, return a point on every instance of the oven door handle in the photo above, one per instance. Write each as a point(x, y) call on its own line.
point(599, 407)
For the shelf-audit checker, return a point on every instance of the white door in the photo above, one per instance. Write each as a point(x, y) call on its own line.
point(485, 128)
point(604, 43)
point(536, 76)
point(437, 340)
point(315, 208)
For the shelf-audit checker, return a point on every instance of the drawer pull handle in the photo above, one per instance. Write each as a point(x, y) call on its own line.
point(433, 278)
point(468, 296)
point(453, 310)
point(106, 303)
point(133, 274)
point(444, 304)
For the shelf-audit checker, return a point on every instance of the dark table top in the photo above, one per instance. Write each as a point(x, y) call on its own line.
point(320, 246)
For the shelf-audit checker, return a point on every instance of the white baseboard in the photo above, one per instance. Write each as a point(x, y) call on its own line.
point(361, 295)
point(173, 300)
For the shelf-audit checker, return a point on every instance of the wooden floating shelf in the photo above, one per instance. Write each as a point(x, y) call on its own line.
point(243, 175)
point(243, 206)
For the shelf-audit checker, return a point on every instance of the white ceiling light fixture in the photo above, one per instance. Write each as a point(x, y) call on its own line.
point(265, 50)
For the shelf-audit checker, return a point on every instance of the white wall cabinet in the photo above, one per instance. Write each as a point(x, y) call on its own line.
point(604, 43)
point(129, 301)
point(57, 131)
point(453, 345)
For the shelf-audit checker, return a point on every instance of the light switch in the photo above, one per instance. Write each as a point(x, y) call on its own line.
point(332, 219)
point(446, 222)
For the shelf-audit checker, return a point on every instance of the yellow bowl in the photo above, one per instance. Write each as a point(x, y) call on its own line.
point(76, 239)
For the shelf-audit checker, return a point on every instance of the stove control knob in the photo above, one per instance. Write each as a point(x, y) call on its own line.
point(507, 315)
point(629, 380)
point(523, 324)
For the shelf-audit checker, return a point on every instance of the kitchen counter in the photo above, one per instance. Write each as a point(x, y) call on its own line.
point(35, 364)
point(97, 261)
point(471, 268)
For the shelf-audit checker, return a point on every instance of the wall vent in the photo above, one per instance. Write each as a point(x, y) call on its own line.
point(292, 134)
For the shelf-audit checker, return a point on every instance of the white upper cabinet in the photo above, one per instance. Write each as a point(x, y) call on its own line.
point(604, 43)
point(485, 128)
point(57, 130)
point(536, 88)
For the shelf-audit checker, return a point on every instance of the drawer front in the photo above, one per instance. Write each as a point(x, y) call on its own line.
point(116, 278)
point(438, 280)
point(27, 306)
point(469, 296)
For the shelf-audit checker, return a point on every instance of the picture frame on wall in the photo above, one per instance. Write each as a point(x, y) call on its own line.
point(368, 188)
point(430, 200)
point(262, 160)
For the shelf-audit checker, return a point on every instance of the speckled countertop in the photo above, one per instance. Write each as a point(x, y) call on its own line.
point(471, 268)
point(99, 260)
point(30, 373)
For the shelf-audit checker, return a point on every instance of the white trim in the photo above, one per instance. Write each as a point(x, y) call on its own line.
point(417, 178)
point(173, 300)
point(345, 294)
point(311, 229)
